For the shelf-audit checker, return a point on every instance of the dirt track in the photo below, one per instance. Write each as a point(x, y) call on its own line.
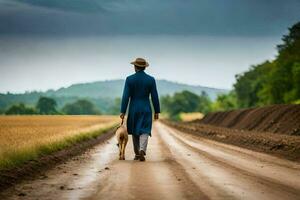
point(178, 166)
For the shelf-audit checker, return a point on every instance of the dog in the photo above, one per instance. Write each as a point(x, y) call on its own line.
point(122, 138)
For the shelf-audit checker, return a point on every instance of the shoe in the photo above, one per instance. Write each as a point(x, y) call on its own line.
point(142, 155)
point(136, 157)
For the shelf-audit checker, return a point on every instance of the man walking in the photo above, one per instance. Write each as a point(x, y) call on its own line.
point(138, 88)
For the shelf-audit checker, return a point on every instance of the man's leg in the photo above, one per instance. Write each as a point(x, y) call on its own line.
point(136, 144)
point(144, 142)
point(143, 146)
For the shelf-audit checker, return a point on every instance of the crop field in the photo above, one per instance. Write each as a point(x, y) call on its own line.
point(24, 138)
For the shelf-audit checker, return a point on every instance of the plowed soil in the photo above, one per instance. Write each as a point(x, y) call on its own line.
point(272, 129)
point(281, 119)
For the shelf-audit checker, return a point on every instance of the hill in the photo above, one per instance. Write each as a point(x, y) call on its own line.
point(102, 93)
point(113, 89)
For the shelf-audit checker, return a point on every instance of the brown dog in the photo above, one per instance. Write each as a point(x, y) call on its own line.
point(122, 137)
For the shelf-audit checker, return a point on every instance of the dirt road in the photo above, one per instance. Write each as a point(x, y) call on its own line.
point(178, 166)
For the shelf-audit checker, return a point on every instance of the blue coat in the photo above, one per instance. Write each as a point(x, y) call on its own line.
point(137, 90)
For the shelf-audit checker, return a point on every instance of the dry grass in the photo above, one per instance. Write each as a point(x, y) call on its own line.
point(27, 137)
point(190, 116)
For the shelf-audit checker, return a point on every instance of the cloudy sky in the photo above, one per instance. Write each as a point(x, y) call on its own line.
point(53, 43)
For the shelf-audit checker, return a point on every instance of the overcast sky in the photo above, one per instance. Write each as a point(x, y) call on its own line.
point(53, 43)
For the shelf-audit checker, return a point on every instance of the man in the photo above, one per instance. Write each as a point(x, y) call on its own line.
point(138, 87)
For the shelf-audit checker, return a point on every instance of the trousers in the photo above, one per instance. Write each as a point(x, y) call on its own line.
point(140, 142)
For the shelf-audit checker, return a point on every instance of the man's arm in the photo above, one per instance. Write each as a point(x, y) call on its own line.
point(125, 99)
point(155, 100)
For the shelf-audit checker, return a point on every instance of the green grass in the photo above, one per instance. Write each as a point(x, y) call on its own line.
point(14, 159)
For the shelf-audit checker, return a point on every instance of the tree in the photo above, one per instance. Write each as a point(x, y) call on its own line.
point(166, 102)
point(225, 102)
point(273, 82)
point(46, 106)
point(295, 93)
point(205, 104)
point(115, 109)
point(282, 85)
point(249, 84)
point(20, 109)
point(186, 102)
point(291, 41)
point(80, 107)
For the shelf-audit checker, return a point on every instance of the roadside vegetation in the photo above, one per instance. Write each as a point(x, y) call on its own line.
point(185, 102)
point(25, 138)
point(273, 82)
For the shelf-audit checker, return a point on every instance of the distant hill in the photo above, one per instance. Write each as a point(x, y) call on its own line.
point(113, 89)
point(102, 93)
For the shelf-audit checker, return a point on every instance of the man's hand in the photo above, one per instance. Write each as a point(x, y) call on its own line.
point(156, 116)
point(122, 115)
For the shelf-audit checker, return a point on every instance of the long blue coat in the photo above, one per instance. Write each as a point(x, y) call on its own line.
point(137, 90)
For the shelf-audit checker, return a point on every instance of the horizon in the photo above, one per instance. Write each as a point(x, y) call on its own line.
point(193, 57)
point(91, 82)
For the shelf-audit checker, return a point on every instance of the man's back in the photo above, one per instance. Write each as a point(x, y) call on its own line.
point(138, 87)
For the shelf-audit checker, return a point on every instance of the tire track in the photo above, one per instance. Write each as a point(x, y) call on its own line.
point(238, 176)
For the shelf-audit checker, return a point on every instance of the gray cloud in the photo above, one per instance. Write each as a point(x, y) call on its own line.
point(207, 42)
point(89, 6)
point(176, 17)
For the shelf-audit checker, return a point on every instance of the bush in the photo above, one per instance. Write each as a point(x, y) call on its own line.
point(20, 109)
point(81, 107)
point(225, 102)
point(46, 106)
point(185, 102)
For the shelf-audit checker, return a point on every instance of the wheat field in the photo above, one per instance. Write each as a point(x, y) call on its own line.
point(27, 137)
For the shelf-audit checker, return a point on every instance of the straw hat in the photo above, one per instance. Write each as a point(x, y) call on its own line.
point(140, 62)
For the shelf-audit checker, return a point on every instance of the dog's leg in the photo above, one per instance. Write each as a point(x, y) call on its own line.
point(122, 155)
point(120, 149)
point(124, 146)
point(123, 149)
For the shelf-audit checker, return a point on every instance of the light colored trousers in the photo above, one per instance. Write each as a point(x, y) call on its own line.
point(140, 143)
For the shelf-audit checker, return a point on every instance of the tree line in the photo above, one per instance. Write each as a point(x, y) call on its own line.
point(273, 82)
point(185, 101)
point(188, 102)
point(48, 106)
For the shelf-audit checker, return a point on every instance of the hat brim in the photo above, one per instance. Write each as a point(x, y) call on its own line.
point(139, 65)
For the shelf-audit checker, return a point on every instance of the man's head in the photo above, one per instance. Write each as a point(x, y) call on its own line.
point(138, 68)
point(140, 64)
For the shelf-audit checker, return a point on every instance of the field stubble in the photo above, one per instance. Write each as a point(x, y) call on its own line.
point(24, 138)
